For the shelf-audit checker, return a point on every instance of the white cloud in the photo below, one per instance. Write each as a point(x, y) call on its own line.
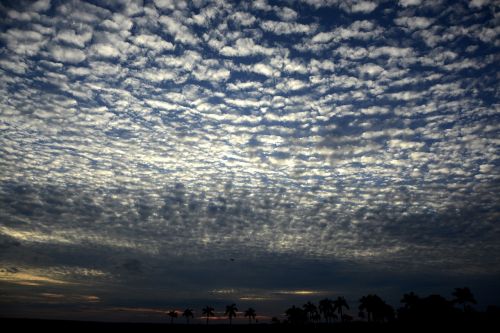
point(66, 54)
point(408, 3)
point(105, 50)
point(486, 168)
point(370, 69)
point(40, 5)
point(478, 3)
point(243, 18)
point(162, 105)
point(71, 37)
point(414, 22)
point(374, 110)
point(391, 51)
point(363, 29)
point(153, 42)
point(157, 75)
point(209, 73)
point(205, 16)
point(245, 47)
point(285, 28)
point(15, 65)
point(291, 84)
point(262, 5)
point(171, 4)
point(286, 14)
point(359, 6)
point(180, 32)
point(263, 69)
point(119, 23)
point(23, 42)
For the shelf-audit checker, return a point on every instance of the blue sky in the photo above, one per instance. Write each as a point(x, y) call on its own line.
point(329, 147)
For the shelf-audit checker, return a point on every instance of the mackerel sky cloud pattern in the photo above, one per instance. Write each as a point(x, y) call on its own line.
point(140, 135)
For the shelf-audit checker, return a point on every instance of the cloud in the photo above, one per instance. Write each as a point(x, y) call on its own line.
point(370, 69)
point(359, 6)
point(245, 47)
point(359, 29)
point(287, 14)
point(292, 84)
point(105, 50)
point(153, 42)
point(41, 5)
point(262, 68)
point(244, 18)
point(414, 22)
point(66, 54)
point(72, 38)
point(180, 32)
point(409, 3)
point(284, 28)
point(23, 42)
point(478, 3)
point(149, 144)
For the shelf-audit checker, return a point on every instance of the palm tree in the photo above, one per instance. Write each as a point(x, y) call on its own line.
point(366, 304)
point(296, 315)
point(338, 304)
point(250, 313)
point(376, 308)
point(326, 309)
point(463, 296)
point(172, 314)
point(188, 313)
point(310, 309)
point(208, 311)
point(231, 312)
point(410, 300)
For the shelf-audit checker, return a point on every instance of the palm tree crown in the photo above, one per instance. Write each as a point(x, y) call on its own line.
point(311, 310)
point(463, 296)
point(188, 313)
point(250, 313)
point(208, 311)
point(231, 312)
point(172, 314)
point(338, 304)
point(326, 308)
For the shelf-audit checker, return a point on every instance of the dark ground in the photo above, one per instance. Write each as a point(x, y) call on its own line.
point(30, 325)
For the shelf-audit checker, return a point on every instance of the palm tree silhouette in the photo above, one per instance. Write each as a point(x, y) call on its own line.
point(311, 310)
point(231, 312)
point(338, 304)
point(410, 300)
point(326, 309)
point(208, 311)
point(366, 303)
point(172, 314)
point(250, 313)
point(296, 315)
point(463, 296)
point(188, 313)
point(377, 309)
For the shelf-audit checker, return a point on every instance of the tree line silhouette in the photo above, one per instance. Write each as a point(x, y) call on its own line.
point(371, 308)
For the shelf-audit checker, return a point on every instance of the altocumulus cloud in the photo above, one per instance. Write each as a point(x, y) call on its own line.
point(147, 142)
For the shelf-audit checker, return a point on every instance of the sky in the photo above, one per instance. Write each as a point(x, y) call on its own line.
point(158, 155)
